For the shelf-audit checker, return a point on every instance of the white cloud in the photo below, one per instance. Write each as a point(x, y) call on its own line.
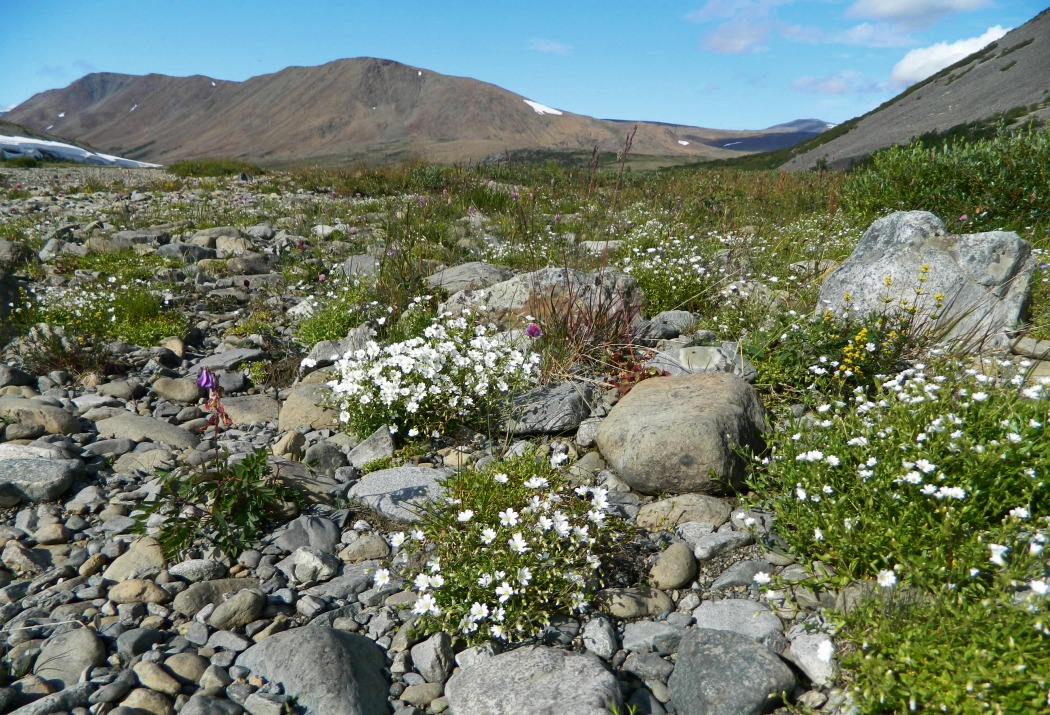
point(737, 37)
point(866, 34)
point(920, 63)
point(839, 83)
point(919, 11)
point(551, 47)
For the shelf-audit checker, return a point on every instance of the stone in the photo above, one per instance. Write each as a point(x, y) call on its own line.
point(433, 658)
point(378, 445)
point(54, 420)
point(695, 359)
point(742, 573)
point(238, 610)
point(180, 389)
point(201, 704)
point(422, 694)
point(666, 514)
point(722, 673)
point(247, 409)
point(748, 618)
point(65, 656)
point(289, 446)
point(36, 480)
point(143, 559)
point(675, 568)
point(230, 360)
point(630, 603)
point(137, 641)
point(187, 667)
point(150, 701)
point(812, 653)
point(328, 352)
point(469, 276)
point(711, 545)
point(368, 546)
point(155, 677)
point(307, 565)
point(652, 637)
point(194, 570)
point(551, 409)
point(649, 666)
point(146, 462)
point(22, 560)
point(186, 252)
point(599, 637)
point(396, 492)
point(536, 680)
point(314, 531)
point(327, 671)
point(75, 696)
point(983, 278)
point(304, 406)
point(146, 429)
point(138, 590)
point(325, 457)
point(10, 375)
point(679, 434)
point(199, 595)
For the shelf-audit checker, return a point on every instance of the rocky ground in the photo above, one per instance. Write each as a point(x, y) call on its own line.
point(97, 620)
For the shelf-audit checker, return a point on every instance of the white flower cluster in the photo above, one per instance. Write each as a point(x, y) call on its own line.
point(458, 368)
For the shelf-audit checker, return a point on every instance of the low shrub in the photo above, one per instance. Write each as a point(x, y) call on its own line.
point(507, 548)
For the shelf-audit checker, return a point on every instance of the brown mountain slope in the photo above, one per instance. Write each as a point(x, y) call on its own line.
point(1008, 77)
point(346, 110)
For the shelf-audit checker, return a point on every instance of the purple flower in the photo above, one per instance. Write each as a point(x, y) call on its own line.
point(533, 331)
point(206, 379)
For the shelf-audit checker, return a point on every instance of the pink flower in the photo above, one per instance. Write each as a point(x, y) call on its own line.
point(533, 331)
point(206, 379)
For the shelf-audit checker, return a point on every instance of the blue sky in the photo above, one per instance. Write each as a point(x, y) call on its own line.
point(743, 64)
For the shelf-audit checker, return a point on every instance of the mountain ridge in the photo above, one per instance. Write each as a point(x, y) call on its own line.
point(355, 109)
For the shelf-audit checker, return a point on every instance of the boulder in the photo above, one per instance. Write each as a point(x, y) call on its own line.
point(551, 409)
point(66, 655)
point(54, 420)
point(146, 429)
point(722, 673)
point(36, 480)
point(983, 278)
point(679, 434)
point(537, 680)
point(596, 298)
point(327, 671)
point(304, 406)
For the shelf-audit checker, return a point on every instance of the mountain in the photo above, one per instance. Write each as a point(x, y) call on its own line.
point(347, 110)
point(1010, 78)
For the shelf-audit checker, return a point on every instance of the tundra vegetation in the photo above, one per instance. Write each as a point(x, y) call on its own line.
point(893, 462)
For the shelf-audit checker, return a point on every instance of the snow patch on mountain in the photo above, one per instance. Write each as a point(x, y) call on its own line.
point(11, 147)
point(540, 108)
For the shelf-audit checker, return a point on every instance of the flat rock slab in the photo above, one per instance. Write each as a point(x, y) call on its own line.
point(397, 492)
point(230, 360)
point(329, 672)
point(723, 673)
point(36, 480)
point(146, 429)
point(536, 680)
point(679, 434)
point(247, 409)
point(469, 276)
point(65, 656)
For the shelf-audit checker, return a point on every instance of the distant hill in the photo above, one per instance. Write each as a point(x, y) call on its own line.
point(360, 109)
point(1008, 79)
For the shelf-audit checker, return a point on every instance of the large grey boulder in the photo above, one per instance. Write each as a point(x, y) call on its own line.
point(536, 680)
point(329, 672)
point(723, 673)
point(983, 277)
point(604, 297)
point(36, 480)
point(673, 435)
point(696, 359)
point(397, 493)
